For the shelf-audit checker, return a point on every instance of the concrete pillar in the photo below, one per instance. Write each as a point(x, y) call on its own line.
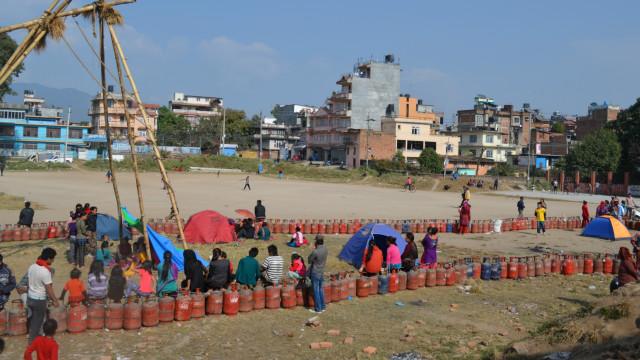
point(593, 182)
point(548, 174)
point(562, 180)
point(626, 181)
point(577, 178)
point(609, 178)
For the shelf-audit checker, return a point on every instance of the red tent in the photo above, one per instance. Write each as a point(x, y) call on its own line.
point(208, 227)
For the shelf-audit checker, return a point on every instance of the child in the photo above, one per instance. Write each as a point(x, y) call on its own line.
point(264, 233)
point(147, 282)
point(297, 239)
point(297, 270)
point(117, 284)
point(394, 261)
point(75, 288)
point(540, 214)
point(104, 254)
point(45, 346)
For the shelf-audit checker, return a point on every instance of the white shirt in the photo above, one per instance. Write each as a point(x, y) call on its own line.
point(39, 277)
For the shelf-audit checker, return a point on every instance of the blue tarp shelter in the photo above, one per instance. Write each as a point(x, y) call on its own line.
point(606, 227)
point(353, 250)
point(108, 225)
point(160, 244)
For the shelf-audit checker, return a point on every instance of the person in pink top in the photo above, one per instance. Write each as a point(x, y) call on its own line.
point(147, 283)
point(394, 261)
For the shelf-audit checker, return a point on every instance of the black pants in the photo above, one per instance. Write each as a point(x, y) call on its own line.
point(246, 185)
point(80, 252)
point(38, 314)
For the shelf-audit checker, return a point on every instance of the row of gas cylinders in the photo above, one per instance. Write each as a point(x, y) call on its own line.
point(38, 231)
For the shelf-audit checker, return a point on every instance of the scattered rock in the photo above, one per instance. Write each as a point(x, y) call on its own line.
point(472, 344)
point(407, 338)
point(454, 306)
point(320, 345)
point(333, 332)
point(348, 340)
point(369, 350)
point(312, 322)
point(420, 322)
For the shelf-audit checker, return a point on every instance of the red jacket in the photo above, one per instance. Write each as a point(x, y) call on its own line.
point(45, 347)
point(585, 211)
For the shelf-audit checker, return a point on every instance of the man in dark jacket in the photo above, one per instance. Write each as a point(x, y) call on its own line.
point(92, 225)
point(7, 283)
point(317, 261)
point(26, 215)
point(260, 211)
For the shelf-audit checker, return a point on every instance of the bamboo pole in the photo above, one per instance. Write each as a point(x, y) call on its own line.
point(134, 156)
point(74, 12)
point(150, 134)
point(105, 106)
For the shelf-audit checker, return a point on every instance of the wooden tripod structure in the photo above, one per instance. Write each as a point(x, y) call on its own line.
point(107, 18)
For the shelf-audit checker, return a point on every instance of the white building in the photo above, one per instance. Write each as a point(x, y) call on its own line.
point(195, 107)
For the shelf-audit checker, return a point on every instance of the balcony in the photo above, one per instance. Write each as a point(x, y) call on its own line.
point(344, 112)
point(341, 96)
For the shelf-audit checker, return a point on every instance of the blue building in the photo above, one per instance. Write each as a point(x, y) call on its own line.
point(32, 128)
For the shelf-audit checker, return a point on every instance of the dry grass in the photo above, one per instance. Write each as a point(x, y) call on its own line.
point(10, 202)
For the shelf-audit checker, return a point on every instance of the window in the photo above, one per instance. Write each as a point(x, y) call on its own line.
point(415, 145)
point(110, 102)
point(53, 147)
point(516, 121)
point(142, 133)
point(75, 133)
point(479, 120)
point(399, 126)
point(6, 131)
point(121, 118)
point(53, 133)
point(6, 145)
point(400, 144)
point(473, 139)
point(489, 154)
point(30, 146)
point(30, 131)
point(415, 130)
point(490, 139)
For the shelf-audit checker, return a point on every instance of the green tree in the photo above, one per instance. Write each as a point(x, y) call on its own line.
point(173, 130)
point(430, 161)
point(399, 158)
point(502, 169)
point(627, 129)
point(7, 47)
point(600, 151)
point(558, 127)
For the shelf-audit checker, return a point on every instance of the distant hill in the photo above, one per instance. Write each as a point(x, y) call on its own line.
point(78, 100)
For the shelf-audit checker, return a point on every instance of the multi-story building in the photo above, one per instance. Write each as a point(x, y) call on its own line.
point(366, 95)
point(597, 117)
point(32, 128)
point(277, 140)
point(293, 115)
point(416, 127)
point(196, 107)
point(117, 108)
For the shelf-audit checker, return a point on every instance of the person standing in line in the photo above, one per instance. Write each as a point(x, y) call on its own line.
point(317, 261)
point(92, 227)
point(7, 283)
point(585, 214)
point(26, 215)
point(40, 287)
point(410, 253)
point(246, 184)
point(465, 217)
point(521, 207)
point(260, 211)
point(81, 240)
point(540, 213)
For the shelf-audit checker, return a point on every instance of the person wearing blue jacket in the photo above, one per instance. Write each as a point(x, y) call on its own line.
point(7, 283)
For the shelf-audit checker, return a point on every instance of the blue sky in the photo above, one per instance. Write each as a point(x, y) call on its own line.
point(556, 55)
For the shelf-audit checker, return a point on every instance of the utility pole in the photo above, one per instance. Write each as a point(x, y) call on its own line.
point(66, 138)
point(260, 146)
point(369, 120)
point(224, 124)
point(529, 154)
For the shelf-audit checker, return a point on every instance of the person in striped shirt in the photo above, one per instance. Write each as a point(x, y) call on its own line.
point(272, 267)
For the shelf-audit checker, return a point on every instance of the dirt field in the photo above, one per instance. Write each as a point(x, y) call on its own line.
point(60, 191)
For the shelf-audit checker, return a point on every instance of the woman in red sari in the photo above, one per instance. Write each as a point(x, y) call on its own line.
point(465, 217)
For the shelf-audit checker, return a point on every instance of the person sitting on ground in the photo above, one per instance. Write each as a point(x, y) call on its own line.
point(117, 285)
point(26, 215)
point(248, 269)
point(394, 262)
point(635, 243)
point(103, 254)
point(97, 281)
point(410, 253)
point(264, 233)
point(219, 275)
point(140, 250)
point(7, 283)
point(129, 271)
point(124, 248)
point(167, 276)
point(247, 230)
point(628, 273)
point(224, 256)
point(272, 267)
point(45, 347)
point(75, 288)
point(297, 238)
point(147, 281)
point(298, 269)
point(194, 272)
point(430, 244)
point(371, 260)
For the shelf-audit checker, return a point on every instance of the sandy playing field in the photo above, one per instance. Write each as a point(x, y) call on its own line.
point(58, 192)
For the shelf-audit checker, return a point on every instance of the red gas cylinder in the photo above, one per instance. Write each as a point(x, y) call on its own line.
point(344, 288)
point(450, 275)
point(393, 282)
point(351, 286)
point(546, 263)
point(17, 233)
point(35, 233)
point(213, 305)
point(402, 281)
point(373, 289)
point(579, 260)
point(335, 227)
point(343, 227)
point(422, 278)
point(77, 319)
point(132, 314)
point(288, 294)
point(314, 227)
point(522, 269)
point(556, 265)
point(322, 229)
point(412, 280)
point(292, 227)
point(485, 226)
point(608, 264)
point(95, 315)
point(539, 267)
point(440, 276)
point(259, 298)
point(272, 297)
point(52, 231)
point(17, 319)
point(598, 265)
point(183, 306)
point(25, 234)
point(477, 269)
point(326, 288)
point(588, 264)
point(197, 305)
point(59, 314)
point(3, 322)
point(299, 297)
point(246, 299)
point(513, 269)
point(150, 312)
point(420, 228)
point(531, 267)
point(167, 307)
point(114, 317)
point(277, 227)
point(231, 301)
point(363, 286)
point(474, 227)
point(336, 290)
point(504, 270)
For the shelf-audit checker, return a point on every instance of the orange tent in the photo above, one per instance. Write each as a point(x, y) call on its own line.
point(209, 227)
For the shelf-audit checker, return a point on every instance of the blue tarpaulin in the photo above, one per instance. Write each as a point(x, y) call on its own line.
point(353, 250)
point(108, 225)
point(160, 244)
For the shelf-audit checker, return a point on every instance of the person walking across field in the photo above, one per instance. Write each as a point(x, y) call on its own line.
point(521, 207)
point(540, 214)
point(317, 261)
point(246, 184)
point(3, 164)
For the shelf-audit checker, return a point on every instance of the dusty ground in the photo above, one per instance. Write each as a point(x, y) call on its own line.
point(59, 191)
point(490, 317)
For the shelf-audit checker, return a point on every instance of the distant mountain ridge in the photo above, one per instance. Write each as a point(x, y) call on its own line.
point(78, 100)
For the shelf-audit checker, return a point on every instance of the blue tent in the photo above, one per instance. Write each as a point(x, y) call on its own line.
point(108, 225)
point(160, 244)
point(607, 227)
point(353, 250)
